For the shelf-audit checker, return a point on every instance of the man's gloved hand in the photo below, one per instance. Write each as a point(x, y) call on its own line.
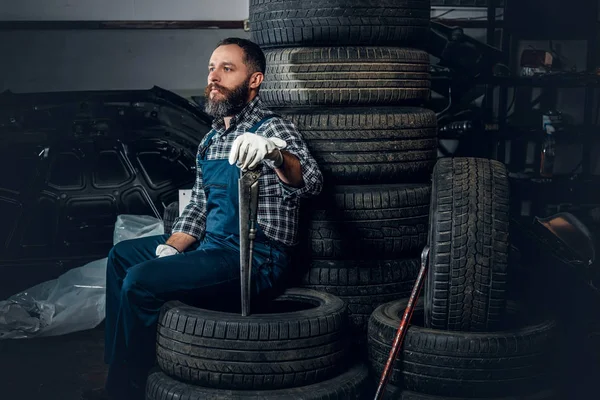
point(164, 250)
point(250, 149)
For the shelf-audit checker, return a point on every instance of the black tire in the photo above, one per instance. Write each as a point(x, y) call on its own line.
point(352, 384)
point(468, 237)
point(363, 285)
point(260, 351)
point(396, 393)
point(345, 76)
point(344, 22)
point(370, 145)
point(471, 364)
point(369, 222)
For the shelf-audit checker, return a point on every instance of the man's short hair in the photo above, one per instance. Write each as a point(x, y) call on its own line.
point(254, 58)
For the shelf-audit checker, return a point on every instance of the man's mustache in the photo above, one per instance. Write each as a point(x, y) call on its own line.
point(213, 86)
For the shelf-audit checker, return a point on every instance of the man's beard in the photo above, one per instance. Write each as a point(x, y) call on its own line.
point(233, 102)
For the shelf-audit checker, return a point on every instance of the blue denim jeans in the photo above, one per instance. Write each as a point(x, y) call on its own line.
point(138, 284)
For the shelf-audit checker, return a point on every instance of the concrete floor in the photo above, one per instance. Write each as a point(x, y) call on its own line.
point(52, 368)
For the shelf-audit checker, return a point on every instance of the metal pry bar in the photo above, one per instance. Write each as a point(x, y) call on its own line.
point(248, 199)
point(404, 323)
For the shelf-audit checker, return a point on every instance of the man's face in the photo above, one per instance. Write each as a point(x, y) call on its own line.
point(228, 82)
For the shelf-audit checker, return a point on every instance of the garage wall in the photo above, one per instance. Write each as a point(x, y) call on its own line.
point(55, 60)
point(68, 10)
point(107, 59)
point(132, 59)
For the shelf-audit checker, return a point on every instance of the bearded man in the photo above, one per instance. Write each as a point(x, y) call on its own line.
point(201, 258)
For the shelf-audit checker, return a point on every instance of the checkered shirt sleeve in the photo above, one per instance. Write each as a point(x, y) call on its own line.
point(193, 217)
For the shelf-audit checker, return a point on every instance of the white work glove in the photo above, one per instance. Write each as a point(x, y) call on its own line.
point(164, 250)
point(250, 149)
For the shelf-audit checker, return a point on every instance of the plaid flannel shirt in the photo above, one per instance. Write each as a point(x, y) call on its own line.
point(278, 203)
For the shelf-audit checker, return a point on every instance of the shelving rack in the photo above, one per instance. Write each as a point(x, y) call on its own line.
point(509, 42)
point(561, 189)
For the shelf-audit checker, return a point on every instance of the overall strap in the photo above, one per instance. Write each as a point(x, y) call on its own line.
point(210, 136)
point(256, 126)
point(206, 142)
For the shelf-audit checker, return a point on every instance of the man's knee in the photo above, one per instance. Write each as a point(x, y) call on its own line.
point(123, 249)
point(119, 251)
point(118, 263)
point(131, 252)
point(113, 254)
point(133, 287)
point(140, 282)
point(130, 284)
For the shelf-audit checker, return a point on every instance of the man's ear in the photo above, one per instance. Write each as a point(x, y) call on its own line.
point(256, 79)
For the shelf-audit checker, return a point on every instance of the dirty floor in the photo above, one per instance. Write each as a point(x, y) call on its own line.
point(52, 368)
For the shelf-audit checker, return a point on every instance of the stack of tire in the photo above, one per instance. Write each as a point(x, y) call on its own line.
point(354, 101)
point(289, 348)
point(466, 339)
point(349, 74)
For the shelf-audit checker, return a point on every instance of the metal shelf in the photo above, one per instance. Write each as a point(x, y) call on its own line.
point(497, 22)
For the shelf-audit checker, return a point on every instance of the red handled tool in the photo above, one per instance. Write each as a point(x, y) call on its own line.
point(401, 332)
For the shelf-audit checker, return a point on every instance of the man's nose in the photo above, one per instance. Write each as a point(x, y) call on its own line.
point(213, 76)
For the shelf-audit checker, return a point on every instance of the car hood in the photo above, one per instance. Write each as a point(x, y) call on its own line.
point(96, 114)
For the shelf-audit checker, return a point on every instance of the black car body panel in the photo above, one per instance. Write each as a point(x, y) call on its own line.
point(70, 162)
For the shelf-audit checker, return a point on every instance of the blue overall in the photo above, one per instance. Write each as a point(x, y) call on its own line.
point(138, 283)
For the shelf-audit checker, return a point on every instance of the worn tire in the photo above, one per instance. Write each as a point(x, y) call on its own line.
point(468, 237)
point(472, 364)
point(396, 393)
point(363, 284)
point(344, 22)
point(370, 145)
point(368, 222)
point(260, 351)
point(352, 384)
point(312, 76)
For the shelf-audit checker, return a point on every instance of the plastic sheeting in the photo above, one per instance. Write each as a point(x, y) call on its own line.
point(74, 301)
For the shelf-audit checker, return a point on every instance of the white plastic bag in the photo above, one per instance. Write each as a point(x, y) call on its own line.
point(136, 226)
point(74, 301)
